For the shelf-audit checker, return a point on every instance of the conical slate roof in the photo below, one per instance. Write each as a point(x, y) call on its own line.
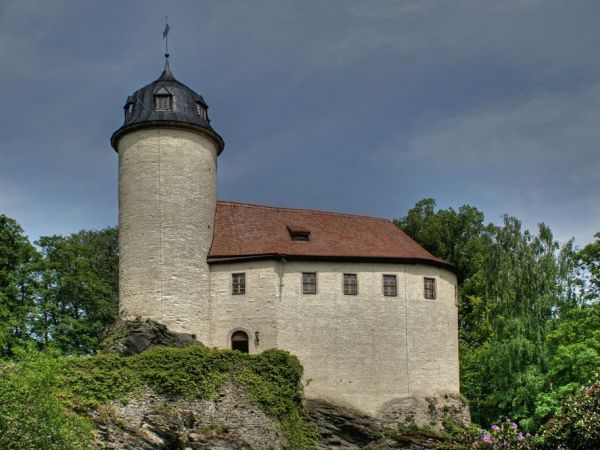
point(186, 109)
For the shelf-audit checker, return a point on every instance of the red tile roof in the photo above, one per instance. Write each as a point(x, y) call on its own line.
point(244, 230)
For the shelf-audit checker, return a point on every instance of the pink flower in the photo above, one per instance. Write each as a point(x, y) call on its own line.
point(495, 427)
point(487, 439)
point(513, 425)
point(520, 436)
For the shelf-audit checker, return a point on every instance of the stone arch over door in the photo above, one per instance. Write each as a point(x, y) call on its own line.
point(239, 339)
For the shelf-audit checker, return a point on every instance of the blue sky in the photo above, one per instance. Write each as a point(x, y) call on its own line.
point(356, 106)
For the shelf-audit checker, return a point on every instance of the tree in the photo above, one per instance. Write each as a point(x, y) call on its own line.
point(78, 295)
point(17, 284)
point(589, 263)
point(526, 288)
point(515, 286)
point(574, 347)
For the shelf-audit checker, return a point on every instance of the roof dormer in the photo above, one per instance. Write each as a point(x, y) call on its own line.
point(163, 100)
point(128, 108)
point(299, 234)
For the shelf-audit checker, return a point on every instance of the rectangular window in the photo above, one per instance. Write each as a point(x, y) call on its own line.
point(238, 283)
point(350, 284)
point(299, 233)
point(309, 283)
point(163, 103)
point(429, 288)
point(390, 287)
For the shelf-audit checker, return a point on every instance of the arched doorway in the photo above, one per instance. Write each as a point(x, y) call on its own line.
point(239, 341)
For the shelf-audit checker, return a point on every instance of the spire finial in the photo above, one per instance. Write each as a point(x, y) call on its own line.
point(166, 75)
point(166, 36)
point(167, 67)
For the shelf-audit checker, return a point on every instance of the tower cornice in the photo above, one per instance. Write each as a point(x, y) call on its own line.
point(208, 132)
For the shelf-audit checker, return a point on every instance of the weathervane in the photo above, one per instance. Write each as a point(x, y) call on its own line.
point(166, 36)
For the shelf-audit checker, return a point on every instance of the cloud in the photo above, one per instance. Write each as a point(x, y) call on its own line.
point(9, 196)
point(533, 155)
point(497, 100)
point(536, 134)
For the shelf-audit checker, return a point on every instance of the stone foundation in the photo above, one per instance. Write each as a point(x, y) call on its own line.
point(425, 411)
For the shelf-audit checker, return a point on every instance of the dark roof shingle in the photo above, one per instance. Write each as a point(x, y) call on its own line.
point(183, 112)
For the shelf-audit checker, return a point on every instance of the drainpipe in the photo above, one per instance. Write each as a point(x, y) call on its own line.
point(281, 273)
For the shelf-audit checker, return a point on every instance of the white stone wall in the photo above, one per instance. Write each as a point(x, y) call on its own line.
point(167, 201)
point(362, 351)
point(256, 310)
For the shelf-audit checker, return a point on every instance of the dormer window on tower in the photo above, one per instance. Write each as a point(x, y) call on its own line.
point(128, 109)
point(201, 110)
point(163, 100)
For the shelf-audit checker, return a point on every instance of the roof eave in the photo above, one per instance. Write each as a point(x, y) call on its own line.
point(371, 259)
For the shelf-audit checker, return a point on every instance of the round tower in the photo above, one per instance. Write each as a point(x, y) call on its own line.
point(167, 198)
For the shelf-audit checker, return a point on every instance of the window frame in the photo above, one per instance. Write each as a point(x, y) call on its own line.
point(298, 234)
point(238, 283)
point(300, 237)
point(129, 110)
point(201, 110)
point(430, 289)
point(306, 283)
point(384, 286)
point(344, 284)
point(159, 97)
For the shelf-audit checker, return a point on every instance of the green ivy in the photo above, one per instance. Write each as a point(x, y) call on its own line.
point(55, 392)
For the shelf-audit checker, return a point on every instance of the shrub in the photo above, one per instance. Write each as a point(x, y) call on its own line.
point(32, 415)
point(577, 426)
point(505, 436)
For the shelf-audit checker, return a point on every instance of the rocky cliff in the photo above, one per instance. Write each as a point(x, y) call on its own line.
point(153, 389)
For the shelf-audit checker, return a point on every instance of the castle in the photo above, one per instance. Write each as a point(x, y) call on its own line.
point(371, 315)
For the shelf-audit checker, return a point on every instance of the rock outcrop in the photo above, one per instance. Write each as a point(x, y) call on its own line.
point(425, 411)
point(153, 422)
point(343, 428)
point(128, 338)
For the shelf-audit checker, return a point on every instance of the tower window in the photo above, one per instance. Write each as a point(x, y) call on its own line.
point(201, 111)
point(350, 284)
point(429, 288)
point(238, 283)
point(128, 110)
point(309, 283)
point(390, 286)
point(163, 102)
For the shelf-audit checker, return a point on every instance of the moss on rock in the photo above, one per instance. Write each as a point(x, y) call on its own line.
point(270, 381)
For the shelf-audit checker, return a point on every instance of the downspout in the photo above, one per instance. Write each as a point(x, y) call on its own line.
point(281, 273)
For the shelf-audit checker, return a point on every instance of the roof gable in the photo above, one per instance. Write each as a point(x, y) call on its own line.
point(162, 91)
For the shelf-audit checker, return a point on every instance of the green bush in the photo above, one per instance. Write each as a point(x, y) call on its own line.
point(577, 426)
point(32, 414)
point(44, 397)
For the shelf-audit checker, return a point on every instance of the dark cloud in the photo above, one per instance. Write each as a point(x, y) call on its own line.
point(353, 106)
